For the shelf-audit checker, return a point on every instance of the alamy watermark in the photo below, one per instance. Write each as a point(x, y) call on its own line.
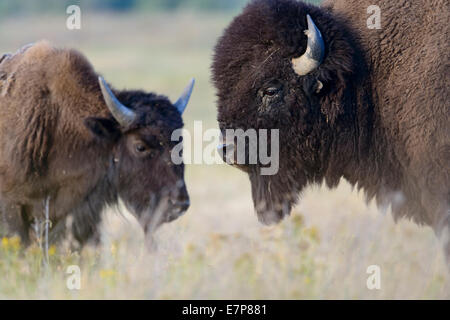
point(73, 22)
point(236, 146)
point(374, 280)
point(374, 20)
point(73, 281)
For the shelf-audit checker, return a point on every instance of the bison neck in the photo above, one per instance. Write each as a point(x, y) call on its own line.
point(361, 154)
point(90, 187)
point(87, 212)
point(359, 148)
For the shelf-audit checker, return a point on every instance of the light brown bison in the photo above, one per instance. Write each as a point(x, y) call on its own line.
point(67, 137)
point(369, 105)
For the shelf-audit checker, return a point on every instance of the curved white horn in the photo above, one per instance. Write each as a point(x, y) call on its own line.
point(124, 115)
point(315, 51)
point(183, 100)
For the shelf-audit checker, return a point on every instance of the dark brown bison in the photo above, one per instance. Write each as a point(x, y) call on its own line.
point(369, 105)
point(66, 137)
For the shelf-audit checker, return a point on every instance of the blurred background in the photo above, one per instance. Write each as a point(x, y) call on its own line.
point(218, 249)
point(9, 7)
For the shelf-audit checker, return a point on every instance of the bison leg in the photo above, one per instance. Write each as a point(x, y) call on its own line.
point(446, 239)
point(85, 227)
point(16, 220)
point(442, 229)
point(75, 231)
point(57, 232)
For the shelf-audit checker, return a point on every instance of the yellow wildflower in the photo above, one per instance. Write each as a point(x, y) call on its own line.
point(14, 242)
point(314, 234)
point(107, 273)
point(5, 243)
point(52, 250)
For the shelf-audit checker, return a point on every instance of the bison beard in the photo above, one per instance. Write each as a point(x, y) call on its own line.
point(271, 208)
point(350, 102)
point(66, 136)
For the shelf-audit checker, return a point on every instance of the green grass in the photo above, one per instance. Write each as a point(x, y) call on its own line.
point(218, 249)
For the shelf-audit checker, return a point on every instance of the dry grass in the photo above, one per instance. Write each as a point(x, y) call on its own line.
point(218, 249)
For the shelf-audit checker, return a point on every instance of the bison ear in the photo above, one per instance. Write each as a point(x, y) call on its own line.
point(102, 128)
point(328, 98)
point(312, 86)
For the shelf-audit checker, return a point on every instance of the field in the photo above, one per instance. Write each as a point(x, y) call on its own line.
point(218, 249)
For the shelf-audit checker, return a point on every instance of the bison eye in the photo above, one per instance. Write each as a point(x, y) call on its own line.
point(141, 148)
point(270, 92)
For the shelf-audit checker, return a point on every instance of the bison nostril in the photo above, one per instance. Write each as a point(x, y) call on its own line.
point(185, 205)
point(181, 206)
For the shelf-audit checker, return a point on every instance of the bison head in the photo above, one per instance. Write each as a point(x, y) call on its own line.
point(137, 136)
point(283, 64)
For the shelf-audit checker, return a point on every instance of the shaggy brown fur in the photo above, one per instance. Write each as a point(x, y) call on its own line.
point(58, 139)
point(381, 120)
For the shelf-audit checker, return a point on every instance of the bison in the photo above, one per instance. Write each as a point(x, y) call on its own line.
point(67, 138)
point(350, 101)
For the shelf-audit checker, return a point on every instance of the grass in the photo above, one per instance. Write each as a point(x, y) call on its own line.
point(218, 249)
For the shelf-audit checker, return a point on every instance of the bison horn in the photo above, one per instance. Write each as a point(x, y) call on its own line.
point(124, 115)
point(183, 100)
point(315, 51)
